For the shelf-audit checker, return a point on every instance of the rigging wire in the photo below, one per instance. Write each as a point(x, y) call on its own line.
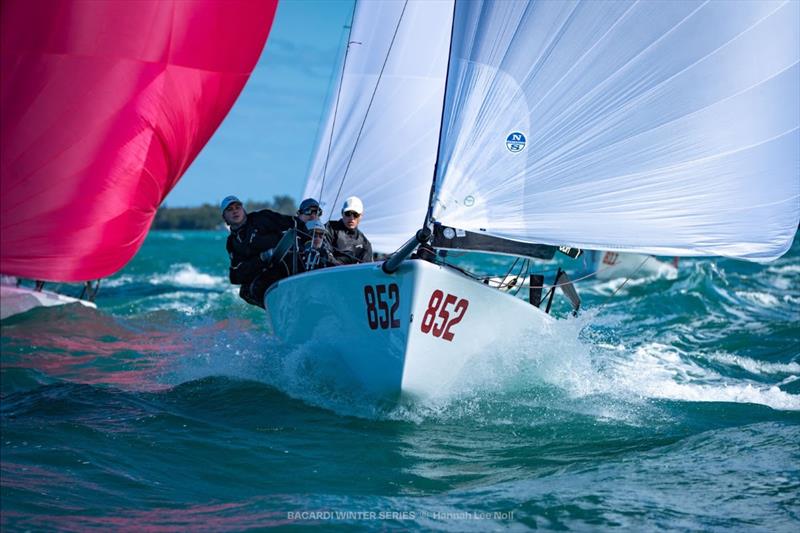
point(524, 268)
point(514, 264)
point(336, 105)
point(553, 286)
point(369, 106)
point(629, 277)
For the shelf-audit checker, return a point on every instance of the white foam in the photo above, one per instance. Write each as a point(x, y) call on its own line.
point(622, 284)
point(753, 366)
point(606, 380)
point(762, 299)
point(551, 358)
point(737, 393)
point(785, 269)
point(118, 281)
point(650, 371)
point(791, 300)
point(187, 275)
point(662, 372)
point(182, 301)
point(187, 304)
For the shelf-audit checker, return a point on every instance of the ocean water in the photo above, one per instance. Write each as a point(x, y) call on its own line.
point(667, 404)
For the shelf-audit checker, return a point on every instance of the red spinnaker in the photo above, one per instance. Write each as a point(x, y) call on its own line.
point(103, 107)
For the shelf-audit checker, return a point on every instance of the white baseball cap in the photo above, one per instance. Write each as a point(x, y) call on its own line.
point(353, 204)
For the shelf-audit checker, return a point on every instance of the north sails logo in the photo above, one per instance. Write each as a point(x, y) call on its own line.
point(515, 142)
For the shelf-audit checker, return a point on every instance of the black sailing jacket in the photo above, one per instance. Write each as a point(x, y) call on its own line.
point(261, 231)
point(348, 246)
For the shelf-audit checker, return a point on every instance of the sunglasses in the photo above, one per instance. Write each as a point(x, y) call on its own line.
point(351, 214)
point(312, 211)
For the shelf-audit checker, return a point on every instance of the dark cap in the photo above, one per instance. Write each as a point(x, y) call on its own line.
point(307, 204)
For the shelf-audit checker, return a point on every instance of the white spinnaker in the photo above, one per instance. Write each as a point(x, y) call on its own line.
point(669, 128)
point(381, 137)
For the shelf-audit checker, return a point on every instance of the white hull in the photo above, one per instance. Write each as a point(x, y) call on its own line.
point(393, 334)
point(15, 300)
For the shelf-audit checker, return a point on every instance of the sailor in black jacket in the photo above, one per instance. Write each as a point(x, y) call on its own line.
point(252, 240)
point(348, 243)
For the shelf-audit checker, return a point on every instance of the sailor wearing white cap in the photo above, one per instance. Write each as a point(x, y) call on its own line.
point(349, 244)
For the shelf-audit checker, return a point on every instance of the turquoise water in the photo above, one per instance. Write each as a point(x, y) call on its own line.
point(667, 404)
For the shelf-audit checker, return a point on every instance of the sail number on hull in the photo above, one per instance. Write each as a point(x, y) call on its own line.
point(382, 304)
point(438, 320)
point(443, 312)
point(610, 258)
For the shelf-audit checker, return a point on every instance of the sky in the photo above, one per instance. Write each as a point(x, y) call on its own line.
point(265, 145)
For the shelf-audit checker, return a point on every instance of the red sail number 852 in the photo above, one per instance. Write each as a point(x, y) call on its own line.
point(438, 320)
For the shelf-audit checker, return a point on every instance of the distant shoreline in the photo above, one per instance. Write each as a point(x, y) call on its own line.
point(208, 217)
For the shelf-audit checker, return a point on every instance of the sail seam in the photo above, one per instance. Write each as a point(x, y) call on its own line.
point(631, 103)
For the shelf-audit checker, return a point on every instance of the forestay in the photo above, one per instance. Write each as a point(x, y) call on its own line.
point(657, 127)
point(382, 130)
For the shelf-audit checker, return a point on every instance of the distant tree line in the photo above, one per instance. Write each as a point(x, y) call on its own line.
point(208, 216)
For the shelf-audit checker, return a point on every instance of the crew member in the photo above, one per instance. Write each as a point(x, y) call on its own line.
point(349, 244)
point(317, 253)
point(252, 239)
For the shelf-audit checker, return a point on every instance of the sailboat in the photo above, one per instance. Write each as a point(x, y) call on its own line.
point(604, 266)
point(16, 298)
point(524, 128)
point(104, 106)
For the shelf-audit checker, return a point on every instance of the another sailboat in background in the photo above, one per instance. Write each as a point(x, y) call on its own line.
point(645, 127)
point(605, 265)
point(16, 298)
point(104, 107)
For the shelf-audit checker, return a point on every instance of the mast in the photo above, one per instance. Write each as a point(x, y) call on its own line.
point(470, 240)
point(427, 222)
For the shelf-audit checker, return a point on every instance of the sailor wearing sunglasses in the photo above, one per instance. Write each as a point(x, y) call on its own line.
point(309, 210)
point(316, 253)
point(349, 244)
point(253, 240)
